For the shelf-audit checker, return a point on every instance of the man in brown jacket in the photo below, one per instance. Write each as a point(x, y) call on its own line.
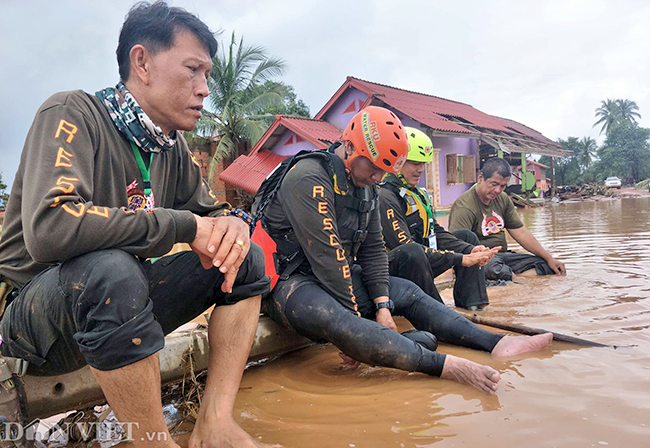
point(106, 184)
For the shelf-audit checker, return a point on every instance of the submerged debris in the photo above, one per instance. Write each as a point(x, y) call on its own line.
point(584, 191)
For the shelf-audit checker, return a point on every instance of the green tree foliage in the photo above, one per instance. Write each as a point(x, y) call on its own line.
point(613, 113)
point(607, 115)
point(291, 104)
point(3, 194)
point(238, 99)
point(587, 148)
point(567, 169)
point(628, 111)
point(626, 153)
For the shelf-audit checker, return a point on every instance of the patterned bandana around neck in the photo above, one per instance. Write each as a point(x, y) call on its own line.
point(132, 122)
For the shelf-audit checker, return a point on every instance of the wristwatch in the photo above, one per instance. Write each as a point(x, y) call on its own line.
point(241, 214)
point(389, 304)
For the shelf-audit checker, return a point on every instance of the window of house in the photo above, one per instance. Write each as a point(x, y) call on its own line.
point(461, 169)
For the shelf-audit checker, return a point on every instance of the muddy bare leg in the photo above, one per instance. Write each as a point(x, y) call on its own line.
point(231, 332)
point(133, 392)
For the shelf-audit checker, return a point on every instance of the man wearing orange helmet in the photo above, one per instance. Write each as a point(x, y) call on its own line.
point(334, 284)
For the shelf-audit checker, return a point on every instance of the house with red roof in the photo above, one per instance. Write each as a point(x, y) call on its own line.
point(462, 136)
point(538, 170)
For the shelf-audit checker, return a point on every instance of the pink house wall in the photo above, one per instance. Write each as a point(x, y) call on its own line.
point(447, 145)
point(287, 145)
point(452, 145)
point(350, 103)
point(345, 107)
point(538, 172)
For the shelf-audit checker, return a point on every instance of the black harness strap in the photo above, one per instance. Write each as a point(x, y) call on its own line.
point(286, 242)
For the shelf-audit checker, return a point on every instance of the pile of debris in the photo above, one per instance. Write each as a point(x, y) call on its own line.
point(583, 191)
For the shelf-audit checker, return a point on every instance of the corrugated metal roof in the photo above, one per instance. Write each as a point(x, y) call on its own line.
point(445, 115)
point(319, 132)
point(324, 132)
point(523, 129)
point(248, 172)
point(532, 162)
point(432, 110)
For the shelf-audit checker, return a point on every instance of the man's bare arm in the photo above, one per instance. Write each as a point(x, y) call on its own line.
point(526, 239)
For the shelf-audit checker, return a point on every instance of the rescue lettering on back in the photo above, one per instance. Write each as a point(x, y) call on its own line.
point(401, 234)
point(318, 192)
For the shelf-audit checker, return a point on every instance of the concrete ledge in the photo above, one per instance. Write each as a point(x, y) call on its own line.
point(48, 396)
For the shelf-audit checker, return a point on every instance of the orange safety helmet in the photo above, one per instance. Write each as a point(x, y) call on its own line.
point(377, 134)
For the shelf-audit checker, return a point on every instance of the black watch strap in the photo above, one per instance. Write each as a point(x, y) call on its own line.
point(241, 214)
point(389, 304)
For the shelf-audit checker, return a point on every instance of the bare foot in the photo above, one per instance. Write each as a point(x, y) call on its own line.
point(484, 378)
point(516, 345)
point(221, 433)
point(348, 363)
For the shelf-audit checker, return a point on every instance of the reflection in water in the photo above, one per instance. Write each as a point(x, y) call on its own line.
point(565, 396)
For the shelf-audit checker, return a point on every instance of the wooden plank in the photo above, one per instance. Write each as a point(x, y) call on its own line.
point(530, 331)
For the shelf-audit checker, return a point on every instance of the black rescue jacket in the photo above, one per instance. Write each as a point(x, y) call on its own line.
point(405, 220)
point(322, 224)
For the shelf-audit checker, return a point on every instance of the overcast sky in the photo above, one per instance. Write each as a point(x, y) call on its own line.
point(546, 64)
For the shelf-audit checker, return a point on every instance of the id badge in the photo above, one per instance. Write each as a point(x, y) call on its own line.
point(433, 242)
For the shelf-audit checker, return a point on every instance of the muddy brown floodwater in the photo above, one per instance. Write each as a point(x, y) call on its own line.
point(564, 396)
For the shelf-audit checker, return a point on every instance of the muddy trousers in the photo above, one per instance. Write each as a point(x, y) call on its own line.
point(302, 304)
point(504, 264)
point(109, 310)
point(409, 261)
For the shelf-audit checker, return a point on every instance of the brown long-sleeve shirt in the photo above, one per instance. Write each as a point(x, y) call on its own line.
point(78, 187)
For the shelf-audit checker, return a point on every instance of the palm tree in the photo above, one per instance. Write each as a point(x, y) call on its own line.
point(609, 114)
point(586, 151)
point(628, 110)
point(614, 113)
point(237, 98)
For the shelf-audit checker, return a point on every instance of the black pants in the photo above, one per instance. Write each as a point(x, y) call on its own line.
point(411, 262)
point(301, 303)
point(504, 264)
point(109, 310)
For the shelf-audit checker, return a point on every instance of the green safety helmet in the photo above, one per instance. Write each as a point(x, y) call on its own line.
point(420, 146)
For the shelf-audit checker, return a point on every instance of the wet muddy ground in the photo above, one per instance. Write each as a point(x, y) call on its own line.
point(564, 396)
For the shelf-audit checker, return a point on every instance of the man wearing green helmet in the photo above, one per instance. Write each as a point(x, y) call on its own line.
point(420, 248)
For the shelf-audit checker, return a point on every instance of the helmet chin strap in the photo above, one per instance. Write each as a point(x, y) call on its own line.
point(349, 158)
point(406, 184)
